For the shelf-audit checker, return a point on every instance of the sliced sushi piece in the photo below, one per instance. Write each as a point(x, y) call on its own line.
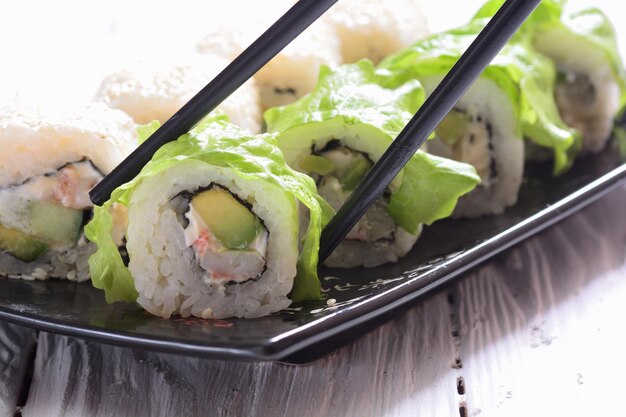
point(373, 29)
point(511, 101)
point(156, 89)
point(339, 131)
point(213, 229)
point(292, 73)
point(50, 160)
point(482, 130)
point(590, 87)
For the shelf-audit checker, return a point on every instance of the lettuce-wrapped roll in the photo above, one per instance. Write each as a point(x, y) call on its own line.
point(510, 100)
point(49, 160)
point(591, 83)
point(336, 133)
point(213, 229)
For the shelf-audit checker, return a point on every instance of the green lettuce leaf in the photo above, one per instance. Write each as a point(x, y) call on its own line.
point(588, 26)
point(522, 74)
point(216, 142)
point(548, 10)
point(106, 266)
point(353, 92)
point(349, 103)
point(145, 131)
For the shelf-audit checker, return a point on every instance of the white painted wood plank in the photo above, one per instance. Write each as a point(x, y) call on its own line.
point(398, 368)
point(17, 346)
point(541, 329)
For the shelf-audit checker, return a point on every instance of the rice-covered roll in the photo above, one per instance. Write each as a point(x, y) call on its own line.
point(50, 160)
point(336, 133)
point(374, 29)
point(213, 229)
point(155, 89)
point(511, 100)
point(293, 71)
point(590, 87)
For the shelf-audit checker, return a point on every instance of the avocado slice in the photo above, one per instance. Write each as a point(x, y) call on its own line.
point(229, 220)
point(452, 127)
point(318, 164)
point(54, 223)
point(21, 245)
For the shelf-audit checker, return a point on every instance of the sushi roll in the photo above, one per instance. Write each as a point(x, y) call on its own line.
point(213, 229)
point(156, 89)
point(50, 160)
point(483, 132)
point(373, 29)
point(293, 71)
point(590, 87)
point(509, 102)
point(335, 135)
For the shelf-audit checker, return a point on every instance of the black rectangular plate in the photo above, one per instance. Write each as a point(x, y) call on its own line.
point(445, 250)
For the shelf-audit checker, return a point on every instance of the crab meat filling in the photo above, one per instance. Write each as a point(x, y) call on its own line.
point(337, 171)
point(47, 211)
point(468, 138)
point(229, 241)
point(68, 186)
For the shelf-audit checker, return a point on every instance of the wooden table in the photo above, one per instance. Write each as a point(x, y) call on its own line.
point(537, 331)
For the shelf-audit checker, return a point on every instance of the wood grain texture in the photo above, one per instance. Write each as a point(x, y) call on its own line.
point(535, 332)
point(389, 372)
point(541, 328)
point(17, 346)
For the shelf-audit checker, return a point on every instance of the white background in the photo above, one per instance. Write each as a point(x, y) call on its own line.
point(58, 51)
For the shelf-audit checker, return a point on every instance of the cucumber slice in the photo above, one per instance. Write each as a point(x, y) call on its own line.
point(54, 223)
point(21, 245)
point(350, 166)
point(229, 220)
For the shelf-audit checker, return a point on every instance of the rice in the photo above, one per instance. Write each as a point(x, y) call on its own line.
point(500, 189)
point(37, 140)
point(155, 89)
point(350, 253)
point(592, 112)
point(168, 278)
point(70, 264)
point(293, 72)
point(50, 159)
point(373, 29)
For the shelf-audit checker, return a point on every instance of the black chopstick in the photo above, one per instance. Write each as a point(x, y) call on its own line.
point(480, 53)
point(279, 35)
